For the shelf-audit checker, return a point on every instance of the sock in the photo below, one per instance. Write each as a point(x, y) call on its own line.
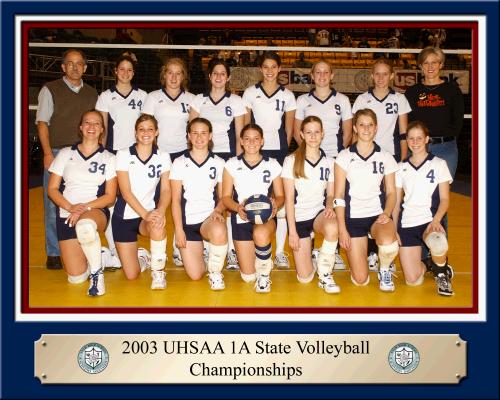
point(281, 229)
point(158, 254)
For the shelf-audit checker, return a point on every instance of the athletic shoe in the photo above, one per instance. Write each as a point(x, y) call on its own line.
point(232, 260)
point(373, 262)
point(386, 284)
point(158, 281)
point(176, 256)
point(53, 262)
point(443, 284)
point(96, 287)
point(144, 258)
point(339, 263)
point(281, 260)
point(327, 283)
point(263, 284)
point(216, 280)
point(109, 260)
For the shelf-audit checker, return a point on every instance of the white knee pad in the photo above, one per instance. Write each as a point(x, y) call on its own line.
point(437, 243)
point(75, 279)
point(248, 277)
point(158, 254)
point(216, 257)
point(86, 231)
point(361, 284)
point(387, 253)
point(418, 282)
point(307, 279)
point(281, 213)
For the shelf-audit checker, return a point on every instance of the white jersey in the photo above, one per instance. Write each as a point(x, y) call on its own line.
point(269, 113)
point(172, 116)
point(248, 180)
point(122, 111)
point(199, 185)
point(421, 189)
point(310, 192)
point(364, 195)
point(83, 178)
point(332, 111)
point(221, 114)
point(388, 111)
point(144, 177)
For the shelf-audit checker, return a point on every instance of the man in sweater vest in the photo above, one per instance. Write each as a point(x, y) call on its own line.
point(61, 103)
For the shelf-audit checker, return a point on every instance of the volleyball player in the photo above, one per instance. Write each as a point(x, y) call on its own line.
point(334, 110)
point(365, 195)
point(392, 110)
point(143, 173)
point(82, 184)
point(197, 208)
point(226, 112)
point(424, 181)
point(308, 181)
point(170, 106)
point(248, 174)
point(272, 107)
point(120, 107)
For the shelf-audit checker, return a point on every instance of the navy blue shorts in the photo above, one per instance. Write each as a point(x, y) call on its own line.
point(64, 232)
point(359, 227)
point(412, 236)
point(242, 231)
point(125, 230)
point(305, 228)
point(279, 155)
point(193, 233)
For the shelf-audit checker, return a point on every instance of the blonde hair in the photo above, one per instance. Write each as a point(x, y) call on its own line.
point(180, 63)
point(322, 61)
point(422, 56)
point(366, 112)
point(300, 153)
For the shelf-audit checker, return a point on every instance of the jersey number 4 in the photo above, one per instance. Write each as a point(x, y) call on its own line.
point(94, 166)
point(133, 104)
point(431, 175)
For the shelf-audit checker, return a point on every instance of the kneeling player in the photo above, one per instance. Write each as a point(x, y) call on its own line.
point(142, 171)
point(308, 180)
point(425, 180)
point(196, 206)
point(244, 176)
point(83, 184)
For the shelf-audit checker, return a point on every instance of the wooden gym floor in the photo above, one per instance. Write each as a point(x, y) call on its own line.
point(50, 288)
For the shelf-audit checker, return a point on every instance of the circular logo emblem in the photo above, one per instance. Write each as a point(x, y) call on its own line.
point(404, 358)
point(93, 358)
point(362, 80)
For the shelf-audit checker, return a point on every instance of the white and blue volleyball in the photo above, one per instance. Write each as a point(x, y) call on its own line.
point(258, 208)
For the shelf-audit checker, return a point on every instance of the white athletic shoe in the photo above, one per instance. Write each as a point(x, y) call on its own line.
point(339, 263)
point(373, 262)
point(263, 284)
point(232, 260)
point(144, 258)
point(281, 260)
point(97, 287)
point(386, 284)
point(444, 284)
point(216, 280)
point(327, 283)
point(176, 256)
point(158, 281)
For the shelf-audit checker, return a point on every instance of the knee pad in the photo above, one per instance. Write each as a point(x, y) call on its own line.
point(437, 243)
point(216, 257)
point(281, 213)
point(361, 284)
point(158, 254)
point(387, 253)
point(418, 282)
point(248, 277)
point(86, 231)
point(75, 279)
point(307, 279)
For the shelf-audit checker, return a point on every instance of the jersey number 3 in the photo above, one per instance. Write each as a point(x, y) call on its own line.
point(94, 166)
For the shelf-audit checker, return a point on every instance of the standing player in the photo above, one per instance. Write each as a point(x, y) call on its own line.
point(170, 106)
point(308, 181)
point(272, 107)
point(120, 107)
point(197, 208)
point(226, 112)
point(425, 181)
point(142, 172)
point(334, 110)
point(392, 110)
point(82, 184)
point(365, 195)
point(248, 174)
